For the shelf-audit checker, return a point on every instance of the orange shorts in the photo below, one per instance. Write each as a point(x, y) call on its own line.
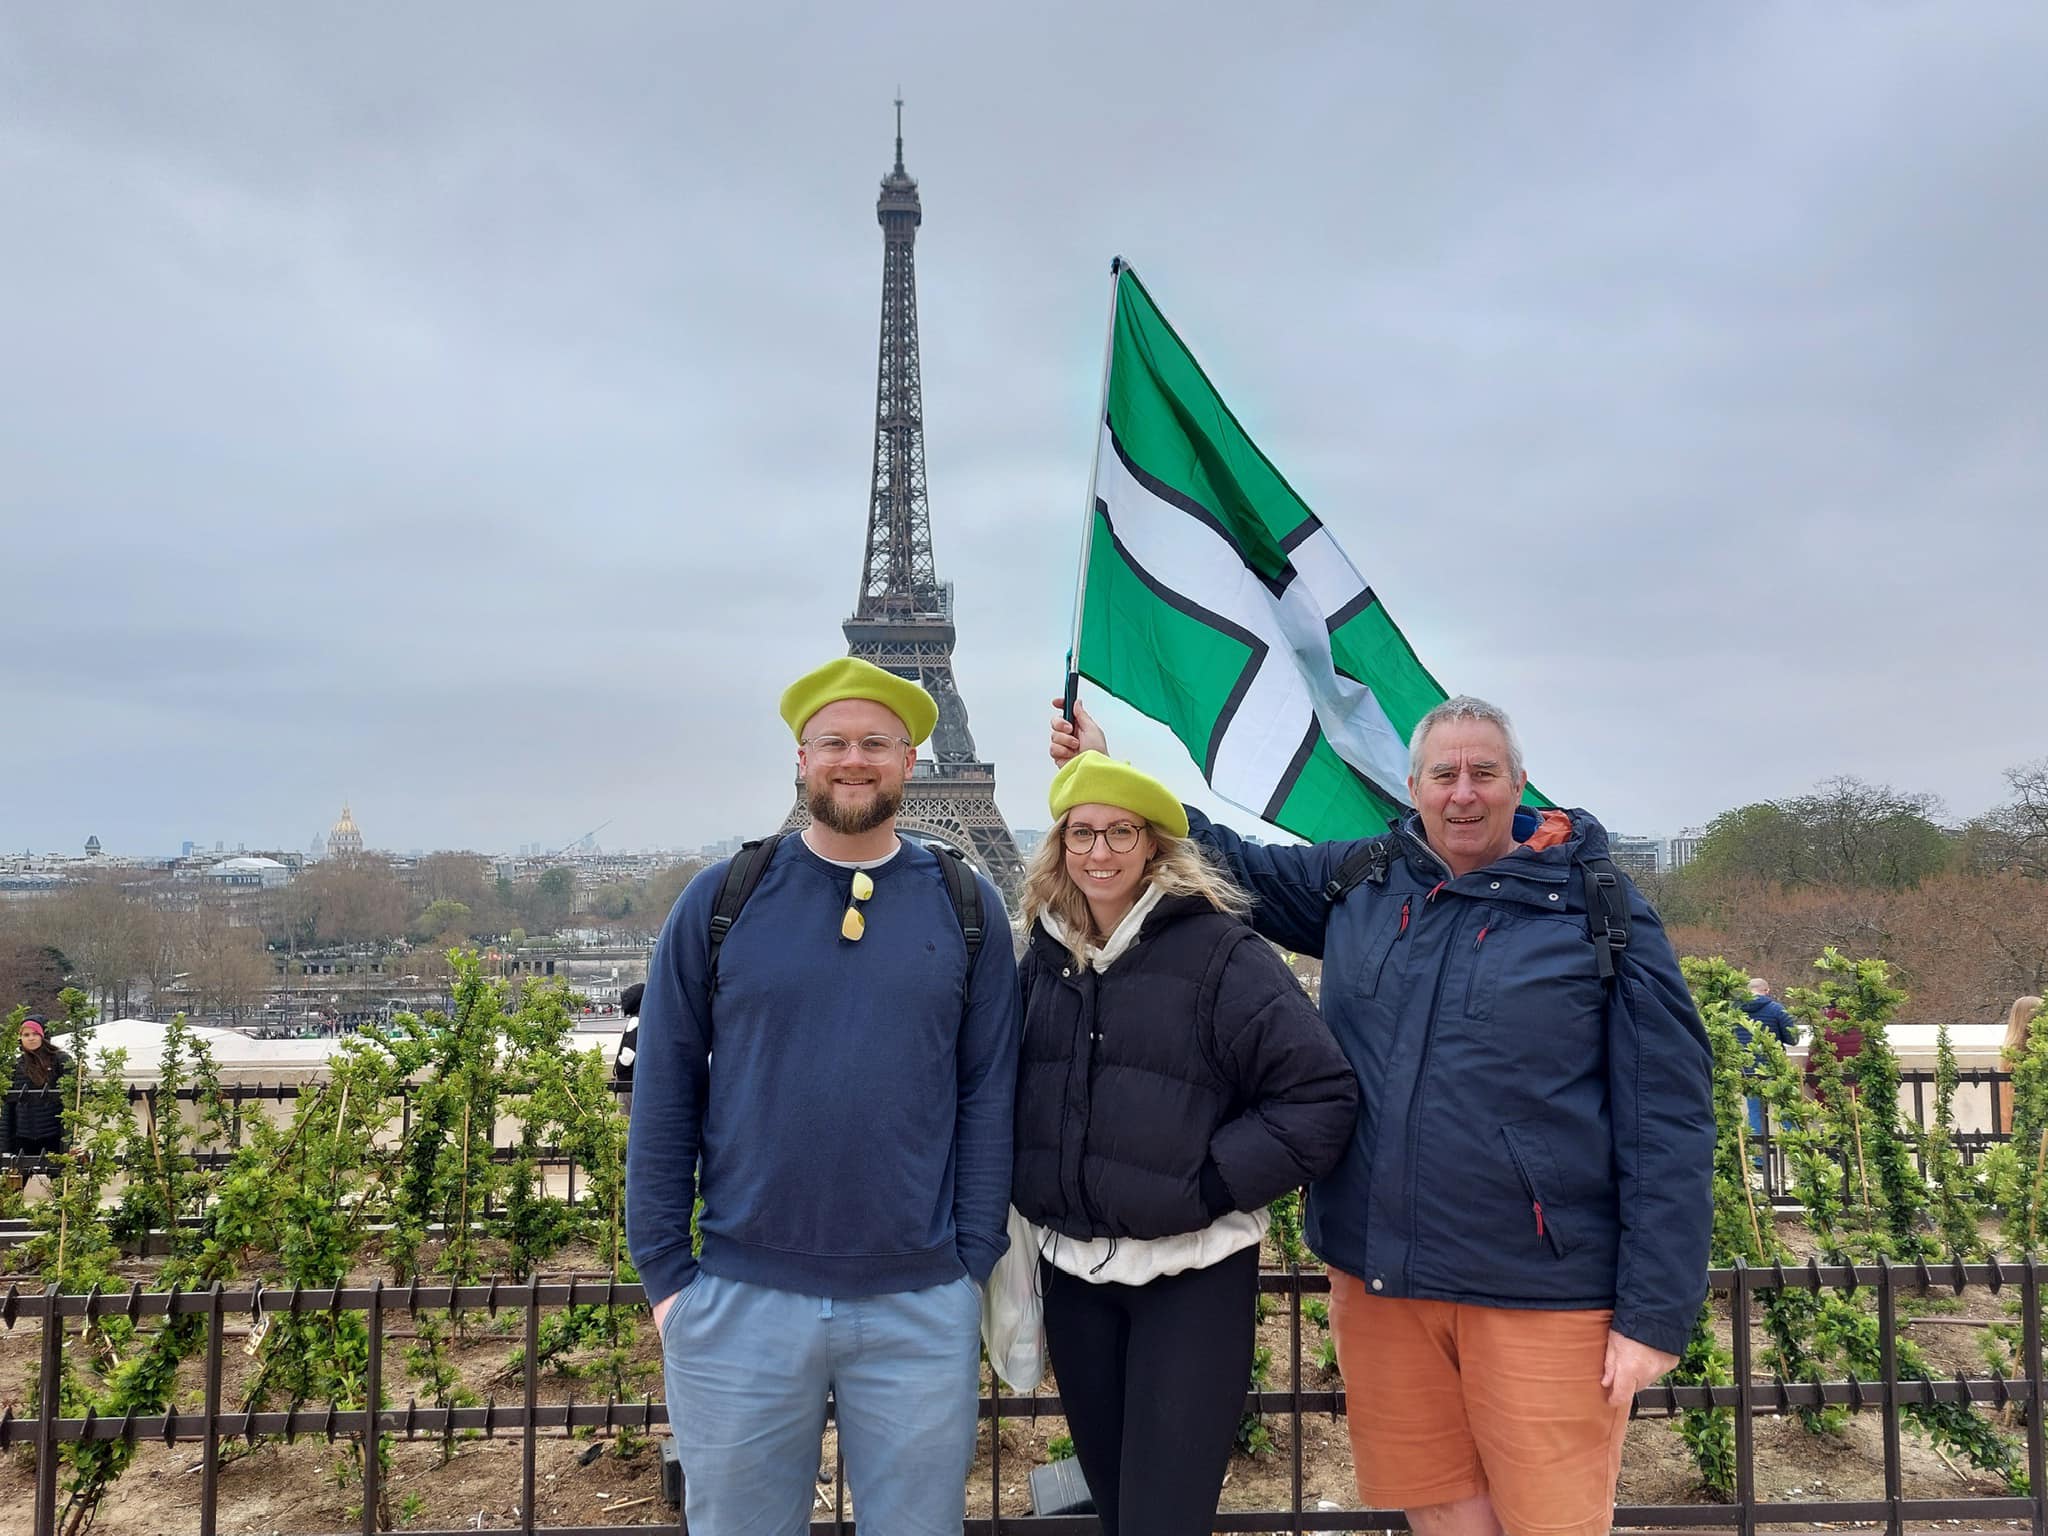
point(1448, 1401)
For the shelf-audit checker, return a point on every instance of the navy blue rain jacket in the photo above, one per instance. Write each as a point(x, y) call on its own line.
point(1528, 1136)
point(1769, 1012)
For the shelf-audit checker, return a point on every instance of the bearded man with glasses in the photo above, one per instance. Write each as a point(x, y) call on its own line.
point(835, 1079)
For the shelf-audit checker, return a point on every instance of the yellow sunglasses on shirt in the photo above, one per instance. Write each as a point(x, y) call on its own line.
point(853, 925)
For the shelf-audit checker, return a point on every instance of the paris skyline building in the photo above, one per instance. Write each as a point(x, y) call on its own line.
point(903, 617)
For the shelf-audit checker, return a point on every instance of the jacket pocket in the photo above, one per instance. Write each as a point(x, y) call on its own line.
point(1530, 1154)
point(1489, 944)
point(1392, 930)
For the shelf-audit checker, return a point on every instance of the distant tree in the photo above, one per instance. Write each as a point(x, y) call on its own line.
point(1967, 945)
point(446, 876)
point(1846, 833)
point(549, 900)
point(444, 922)
point(31, 974)
point(348, 901)
point(615, 903)
point(663, 888)
point(109, 933)
point(227, 969)
point(2014, 836)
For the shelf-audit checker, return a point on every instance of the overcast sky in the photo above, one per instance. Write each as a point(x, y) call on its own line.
point(467, 410)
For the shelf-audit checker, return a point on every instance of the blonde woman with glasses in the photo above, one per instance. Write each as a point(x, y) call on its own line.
point(1174, 1078)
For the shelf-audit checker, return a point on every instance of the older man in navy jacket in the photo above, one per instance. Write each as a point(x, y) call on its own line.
point(1518, 1233)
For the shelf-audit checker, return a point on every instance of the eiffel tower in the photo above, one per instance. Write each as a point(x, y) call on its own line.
point(903, 621)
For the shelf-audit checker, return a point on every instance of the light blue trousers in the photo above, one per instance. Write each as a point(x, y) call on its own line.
point(747, 1371)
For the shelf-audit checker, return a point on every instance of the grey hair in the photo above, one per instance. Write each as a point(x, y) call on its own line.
point(1464, 707)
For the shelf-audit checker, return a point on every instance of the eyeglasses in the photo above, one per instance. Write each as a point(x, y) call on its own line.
point(1122, 837)
point(874, 749)
point(853, 925)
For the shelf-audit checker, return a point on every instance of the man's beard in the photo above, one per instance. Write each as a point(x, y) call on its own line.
point(852, 820)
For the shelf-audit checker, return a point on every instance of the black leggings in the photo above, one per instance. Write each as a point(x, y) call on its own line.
point(1153, 1379)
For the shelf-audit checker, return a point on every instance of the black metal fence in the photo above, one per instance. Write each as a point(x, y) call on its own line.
point(1749, 1399)
point(1917, 1102)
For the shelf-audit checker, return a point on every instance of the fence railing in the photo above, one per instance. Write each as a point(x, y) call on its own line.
point(1748, 1397)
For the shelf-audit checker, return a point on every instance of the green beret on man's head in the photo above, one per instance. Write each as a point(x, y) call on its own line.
point(1092, 779)
point(851, 678)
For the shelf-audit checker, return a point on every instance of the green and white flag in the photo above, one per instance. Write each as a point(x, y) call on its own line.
point(1216, 602)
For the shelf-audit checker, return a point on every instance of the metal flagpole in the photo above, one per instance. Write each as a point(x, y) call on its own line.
point(1117, 266)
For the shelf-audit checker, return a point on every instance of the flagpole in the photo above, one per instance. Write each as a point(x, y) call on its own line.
point(1116, 268)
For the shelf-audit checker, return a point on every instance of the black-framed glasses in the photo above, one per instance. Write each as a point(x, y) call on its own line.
point(873, 749)
point(854, 924)
point(1122, 837)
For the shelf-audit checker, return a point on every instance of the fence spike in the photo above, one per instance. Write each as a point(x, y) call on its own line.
point(1997, 1273)
point(134, 1300)
point(1962, 1274)
point(491, 1300)
point(8, 1304)
point(170, 1424)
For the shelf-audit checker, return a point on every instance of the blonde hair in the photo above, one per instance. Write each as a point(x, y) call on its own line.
point(1180, 867)
point(2017, 1024)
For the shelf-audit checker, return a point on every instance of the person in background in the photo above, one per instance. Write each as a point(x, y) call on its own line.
point(2018, 1021)
point(1174, 1079)
point(1764, 1009)
point(32, 1118)
point(1847, 1040)
point(629, 1042)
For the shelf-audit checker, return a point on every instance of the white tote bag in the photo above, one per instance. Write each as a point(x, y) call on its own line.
point(1013, 1314)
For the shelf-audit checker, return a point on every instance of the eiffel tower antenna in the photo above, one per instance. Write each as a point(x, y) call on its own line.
point(903, 614)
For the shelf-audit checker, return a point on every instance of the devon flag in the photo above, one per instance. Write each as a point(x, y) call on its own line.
point(1216, 602)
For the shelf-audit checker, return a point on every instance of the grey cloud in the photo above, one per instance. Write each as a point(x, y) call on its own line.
point(469, 410)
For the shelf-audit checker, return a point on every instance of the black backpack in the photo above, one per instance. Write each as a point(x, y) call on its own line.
point(1606, 894)
point(744, 874)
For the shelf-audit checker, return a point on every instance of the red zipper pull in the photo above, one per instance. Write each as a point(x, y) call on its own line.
point(1404, 916)
point(1434, 889)
point(1537, 1207)
point(1482, 936)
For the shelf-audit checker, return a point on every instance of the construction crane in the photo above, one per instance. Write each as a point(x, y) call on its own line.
point(586, 837)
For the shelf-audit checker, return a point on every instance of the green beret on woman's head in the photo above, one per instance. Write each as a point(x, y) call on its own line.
point(1092, 779)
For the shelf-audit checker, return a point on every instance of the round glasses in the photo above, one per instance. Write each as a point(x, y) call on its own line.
point(1122, 837)
point(872, 749)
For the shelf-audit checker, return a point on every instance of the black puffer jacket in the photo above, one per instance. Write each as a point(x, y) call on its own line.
point(1191, 1078)
point(32, 1114)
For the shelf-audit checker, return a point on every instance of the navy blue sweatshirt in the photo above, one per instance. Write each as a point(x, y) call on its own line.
point(850, 1101)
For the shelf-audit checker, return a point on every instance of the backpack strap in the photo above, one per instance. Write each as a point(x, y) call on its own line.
point(742, 876)
point(1368, 866)
point(1606, 911)
point(965, 890)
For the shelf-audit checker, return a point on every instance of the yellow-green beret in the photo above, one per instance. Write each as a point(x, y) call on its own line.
point(851, 678)
point(1092, 779)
